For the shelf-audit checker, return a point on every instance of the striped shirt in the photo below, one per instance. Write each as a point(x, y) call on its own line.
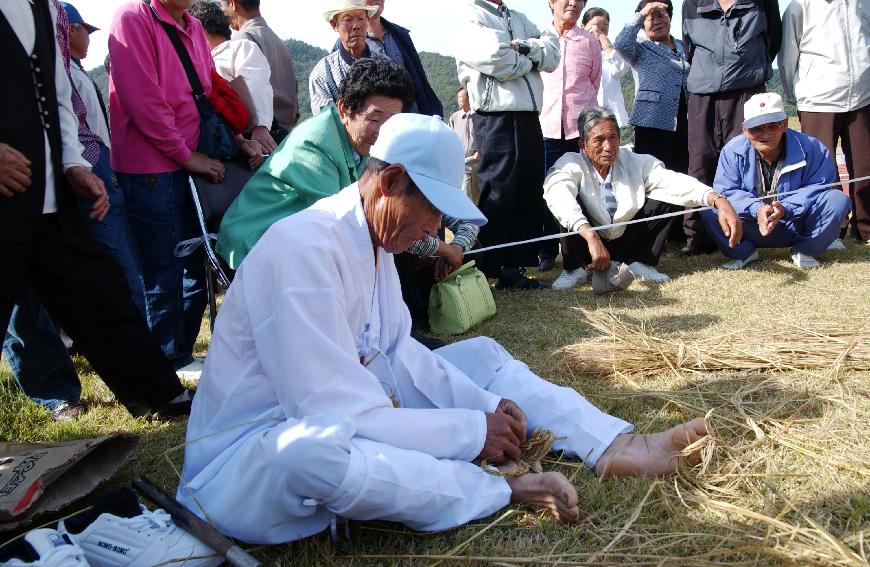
point(327, 76)
point(572, 86)
point(464, 234)
point(90, 141)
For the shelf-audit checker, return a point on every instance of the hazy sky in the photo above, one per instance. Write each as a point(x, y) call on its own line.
point(431, 23)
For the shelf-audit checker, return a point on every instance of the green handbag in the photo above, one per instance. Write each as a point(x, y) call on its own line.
point(460, 301)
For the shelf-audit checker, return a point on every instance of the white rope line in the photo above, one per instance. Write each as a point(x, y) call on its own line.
point(662, 216)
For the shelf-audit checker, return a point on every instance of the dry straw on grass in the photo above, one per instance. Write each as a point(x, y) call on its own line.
point(533, 450)
point(632, 348)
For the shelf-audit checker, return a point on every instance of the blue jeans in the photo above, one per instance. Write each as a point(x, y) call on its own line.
point(809, 234)
point(39, 360)
point(114, 230)
point(161, 215)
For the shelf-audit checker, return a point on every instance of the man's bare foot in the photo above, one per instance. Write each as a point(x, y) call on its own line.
point(549, 491)
point(654, 454)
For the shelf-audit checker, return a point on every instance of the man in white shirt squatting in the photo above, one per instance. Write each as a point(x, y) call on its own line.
point(315, 402)
point(605, 184)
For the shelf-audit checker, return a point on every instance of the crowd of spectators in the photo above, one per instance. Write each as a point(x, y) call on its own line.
point(96, 193)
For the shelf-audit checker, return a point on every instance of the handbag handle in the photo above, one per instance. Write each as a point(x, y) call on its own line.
point(199, 97)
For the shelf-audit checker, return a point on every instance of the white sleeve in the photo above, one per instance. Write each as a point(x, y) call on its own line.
point(789, 51)
point(307, 349)
point(69, 122)
point(560, 192)
point(616, 63)
point(250, 63)
point(668, 186)
point(487, 51)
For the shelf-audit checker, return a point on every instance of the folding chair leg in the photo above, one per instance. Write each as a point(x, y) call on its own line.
point(211, 292)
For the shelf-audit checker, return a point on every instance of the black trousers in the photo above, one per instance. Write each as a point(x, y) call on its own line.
point(642, 242)
point(713, 120)
point(511, 180)
point(672, 148)
point(416, 280)
point(83, 289)
point(852, 129)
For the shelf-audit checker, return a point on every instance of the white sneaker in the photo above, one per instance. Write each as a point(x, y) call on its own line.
point(740, 264)
point(570, 278)
point(43, 548)
point(803, 261)
point(135, 537)
point(837, 244)
point(192, 371)
point(647, 273)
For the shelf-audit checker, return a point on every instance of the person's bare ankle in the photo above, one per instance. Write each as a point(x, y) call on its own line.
point(655, 454)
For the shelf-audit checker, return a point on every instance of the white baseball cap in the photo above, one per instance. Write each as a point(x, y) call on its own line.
point(434, 159)
point(336, 7)
point(763, 108)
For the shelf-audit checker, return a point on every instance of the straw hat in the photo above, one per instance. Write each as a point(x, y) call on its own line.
point(336, 7)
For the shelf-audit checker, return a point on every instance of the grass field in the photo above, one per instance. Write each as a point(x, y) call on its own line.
point(786, 479)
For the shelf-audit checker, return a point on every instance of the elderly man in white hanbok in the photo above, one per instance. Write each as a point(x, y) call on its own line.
point(316, 402)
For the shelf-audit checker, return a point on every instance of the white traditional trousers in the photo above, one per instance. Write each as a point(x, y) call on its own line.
point(276, 484)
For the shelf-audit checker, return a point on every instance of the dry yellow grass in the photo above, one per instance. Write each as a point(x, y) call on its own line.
point(784, 480)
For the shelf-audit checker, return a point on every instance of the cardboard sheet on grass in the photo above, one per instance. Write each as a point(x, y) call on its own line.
point(43, 477)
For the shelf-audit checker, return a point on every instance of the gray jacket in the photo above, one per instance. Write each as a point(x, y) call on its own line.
point(283, 73)
point(498, 78)
point(733, 50)
point(661, 76)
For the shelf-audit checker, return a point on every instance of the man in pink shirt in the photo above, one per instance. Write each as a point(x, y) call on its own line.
point(570, 88)
point(155, 131)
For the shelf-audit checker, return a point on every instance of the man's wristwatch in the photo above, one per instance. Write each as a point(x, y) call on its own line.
point(716, 197)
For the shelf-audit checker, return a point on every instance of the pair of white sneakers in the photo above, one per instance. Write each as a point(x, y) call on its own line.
point(573, 278)
point(116, 532)
point(800, 260)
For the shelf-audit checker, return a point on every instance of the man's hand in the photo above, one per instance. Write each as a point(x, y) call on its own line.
point(653, 6)
point(503, 434)
point(449, 258)
point(261, 135)
point(14, 171)
point(204, 165)
point(730, 223)
point(768, 216)
point(87, 185)
point(253, 150)
point(598, 252)
point(508, 407)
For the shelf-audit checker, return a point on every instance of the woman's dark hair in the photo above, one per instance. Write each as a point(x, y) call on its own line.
point(593, 13)
point(375, 76)
point(212, 17)
point(669, 10)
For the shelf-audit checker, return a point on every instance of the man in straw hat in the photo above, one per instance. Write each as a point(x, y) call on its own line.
point(350, 19)
point(316, 402)
point(769, 159)
point(605, 184)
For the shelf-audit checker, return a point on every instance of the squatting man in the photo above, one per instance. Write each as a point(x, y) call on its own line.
point(316, 402)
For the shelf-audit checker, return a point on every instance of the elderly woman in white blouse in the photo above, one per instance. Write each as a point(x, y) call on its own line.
point(613, 66)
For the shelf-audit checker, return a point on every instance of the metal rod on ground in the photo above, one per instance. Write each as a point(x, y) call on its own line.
point(187, 520)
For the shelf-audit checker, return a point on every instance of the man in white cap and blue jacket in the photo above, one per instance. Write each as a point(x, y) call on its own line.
point(316, 402)
point(768, 160)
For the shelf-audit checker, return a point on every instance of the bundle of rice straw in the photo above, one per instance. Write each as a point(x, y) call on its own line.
point(533, 449)
point(633, 349)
